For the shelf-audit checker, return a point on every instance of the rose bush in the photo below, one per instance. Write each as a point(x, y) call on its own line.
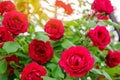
point(56, 46)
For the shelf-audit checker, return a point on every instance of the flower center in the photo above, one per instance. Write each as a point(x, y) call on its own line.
point(53, 25)
point(75, 60)
point(99, 34)
point(16, 19)
point(40, 51)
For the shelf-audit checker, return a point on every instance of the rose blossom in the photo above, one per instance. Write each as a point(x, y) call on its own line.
point(76, 61)
point(33, 71)
point(40, 51)
point(55, 29)
point(9, 67)
point(113, 58)
point(16, 22)
point(6, 6)
point(60, 3)
point(101, 17)
point(100, 37)
point(5, 36)
point(102, 6)
point(67, 7)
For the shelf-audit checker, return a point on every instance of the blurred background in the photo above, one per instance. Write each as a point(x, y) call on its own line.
point(47, 6)
point(39, 11)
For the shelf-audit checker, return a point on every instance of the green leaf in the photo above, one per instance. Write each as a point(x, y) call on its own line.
point(117, 26)
point(2, 51)
point(4, 77)
point(91, 24)
point(55, 59)
point(115, 46)
point(68, 77)
point(31, 28)
point(112, 71)
point(13, 64)
point(3, 66)
point(25, 48)
point(96, 71)
point(57, 72)
point(47, 78)
point(71, 23)
point(20, 54)
point(17, 73)
point(101, 56)
point(41, 36)
point(50, 66)
point(66, 44)
point(11, 47)
point(106, 75)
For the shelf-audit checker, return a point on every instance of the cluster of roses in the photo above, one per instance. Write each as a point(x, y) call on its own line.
point(76, 60)
point(102, 9)
point(13, 23)
point(100, 36)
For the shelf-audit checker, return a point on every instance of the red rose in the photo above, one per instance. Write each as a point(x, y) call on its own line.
point(60, 3)
point(55, 29)
point(9, 67)
point(102, 6)
point(6, 6)
point(102, 17)
point(76, 61)
point(16, 22)
point(5, 36)
point(33, 71)
point(67, 7)
point(100, 37)
point(113, 58)
point(40, 51)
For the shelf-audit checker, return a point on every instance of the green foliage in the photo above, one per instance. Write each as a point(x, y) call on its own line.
point(47, 78)
point(41, 36)
point(11, 47)
point(57, 72)
point(66, 44)
point(117, 26)
point(4, 77)
point(17, 73)
point(3, 66)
